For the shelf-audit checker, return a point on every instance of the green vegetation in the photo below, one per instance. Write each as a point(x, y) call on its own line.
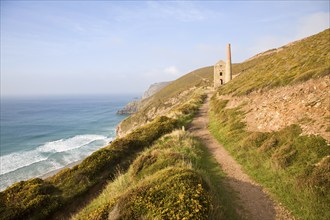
point(170, 97)
point(36, 198)
point(305, 59)
point(293, 166)
point(102, 162)
point(176, 178)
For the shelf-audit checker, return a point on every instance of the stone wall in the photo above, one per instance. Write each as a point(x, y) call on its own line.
point(219, 73)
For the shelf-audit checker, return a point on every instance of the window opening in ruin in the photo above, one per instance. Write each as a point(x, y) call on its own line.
point(221, 82)
point(220, 73)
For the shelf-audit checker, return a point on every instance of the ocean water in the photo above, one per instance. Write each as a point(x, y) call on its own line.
point(40, 135)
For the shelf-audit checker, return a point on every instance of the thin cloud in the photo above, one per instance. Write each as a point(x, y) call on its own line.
point(155, 11)
point(182, 11)
point(307, 26)
point(313, 24)
point(268, 42)
point(172, 70)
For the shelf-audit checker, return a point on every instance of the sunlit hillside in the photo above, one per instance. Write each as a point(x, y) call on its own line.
point(274, 119)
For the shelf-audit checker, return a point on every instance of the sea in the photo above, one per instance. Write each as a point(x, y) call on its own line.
point(40, 135)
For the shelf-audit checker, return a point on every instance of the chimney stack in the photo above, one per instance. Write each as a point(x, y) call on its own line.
point(228, 76)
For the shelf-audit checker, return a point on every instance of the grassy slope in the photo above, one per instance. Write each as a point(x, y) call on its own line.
point(37, 198)
point(174, 179)
point(295, 168)
point(198, 78)
point(305, 59)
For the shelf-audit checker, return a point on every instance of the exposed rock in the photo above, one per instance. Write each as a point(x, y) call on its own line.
point(130, 108)
point(306, 104)
point(153, 112)
point(133, 106)
point(154, 88)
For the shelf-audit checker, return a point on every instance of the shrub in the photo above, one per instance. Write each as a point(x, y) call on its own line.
point(170, 180)
point(269, 144)
point(37, 198)
point(284, 156)
point(254, 140)
point(173, 193)
point(318, 177)
point(26, 199)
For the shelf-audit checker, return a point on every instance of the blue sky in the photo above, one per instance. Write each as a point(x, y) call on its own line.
point(114, 47)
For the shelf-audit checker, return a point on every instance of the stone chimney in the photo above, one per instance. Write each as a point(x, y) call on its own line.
point(228, 76)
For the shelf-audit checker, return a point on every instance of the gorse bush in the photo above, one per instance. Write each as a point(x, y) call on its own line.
point(172, 193)
point(167, 181)
point(25, 199)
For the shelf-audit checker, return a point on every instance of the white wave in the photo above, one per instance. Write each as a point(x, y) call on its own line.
point(69, 144)
point(18, 160)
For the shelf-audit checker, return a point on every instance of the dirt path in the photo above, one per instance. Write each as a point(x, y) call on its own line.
point(253, 202)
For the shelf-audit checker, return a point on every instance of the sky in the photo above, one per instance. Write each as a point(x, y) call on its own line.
point(121, 47)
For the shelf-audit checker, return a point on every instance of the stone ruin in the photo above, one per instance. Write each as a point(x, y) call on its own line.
point(222, 70)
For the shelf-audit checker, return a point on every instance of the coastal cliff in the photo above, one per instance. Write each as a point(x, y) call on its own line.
point(154, 88)
point(167, 99)
point(129, 108)
point(133, 106)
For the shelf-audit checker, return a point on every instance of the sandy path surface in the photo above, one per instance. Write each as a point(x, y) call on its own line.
point(253, 201)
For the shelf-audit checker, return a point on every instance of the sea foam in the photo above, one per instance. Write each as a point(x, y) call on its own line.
point(17, 160)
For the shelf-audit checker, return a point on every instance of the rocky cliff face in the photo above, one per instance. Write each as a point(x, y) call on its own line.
point(154, 88)
point(306, 104)
point(133, 106)
point(130, 108)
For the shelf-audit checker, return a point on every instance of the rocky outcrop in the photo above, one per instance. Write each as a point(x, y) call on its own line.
point(145, 115)
point(133, 106)
point(130, 108)
point(306, 104)
point(154, 88)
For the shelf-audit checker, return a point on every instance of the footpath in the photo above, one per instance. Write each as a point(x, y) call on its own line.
point(253, 201)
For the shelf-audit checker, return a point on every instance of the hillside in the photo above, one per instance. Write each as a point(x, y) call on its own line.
point(154, 88)
point(290, 64)
point(272, 118)
point(167, 99)
point(133, 106)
